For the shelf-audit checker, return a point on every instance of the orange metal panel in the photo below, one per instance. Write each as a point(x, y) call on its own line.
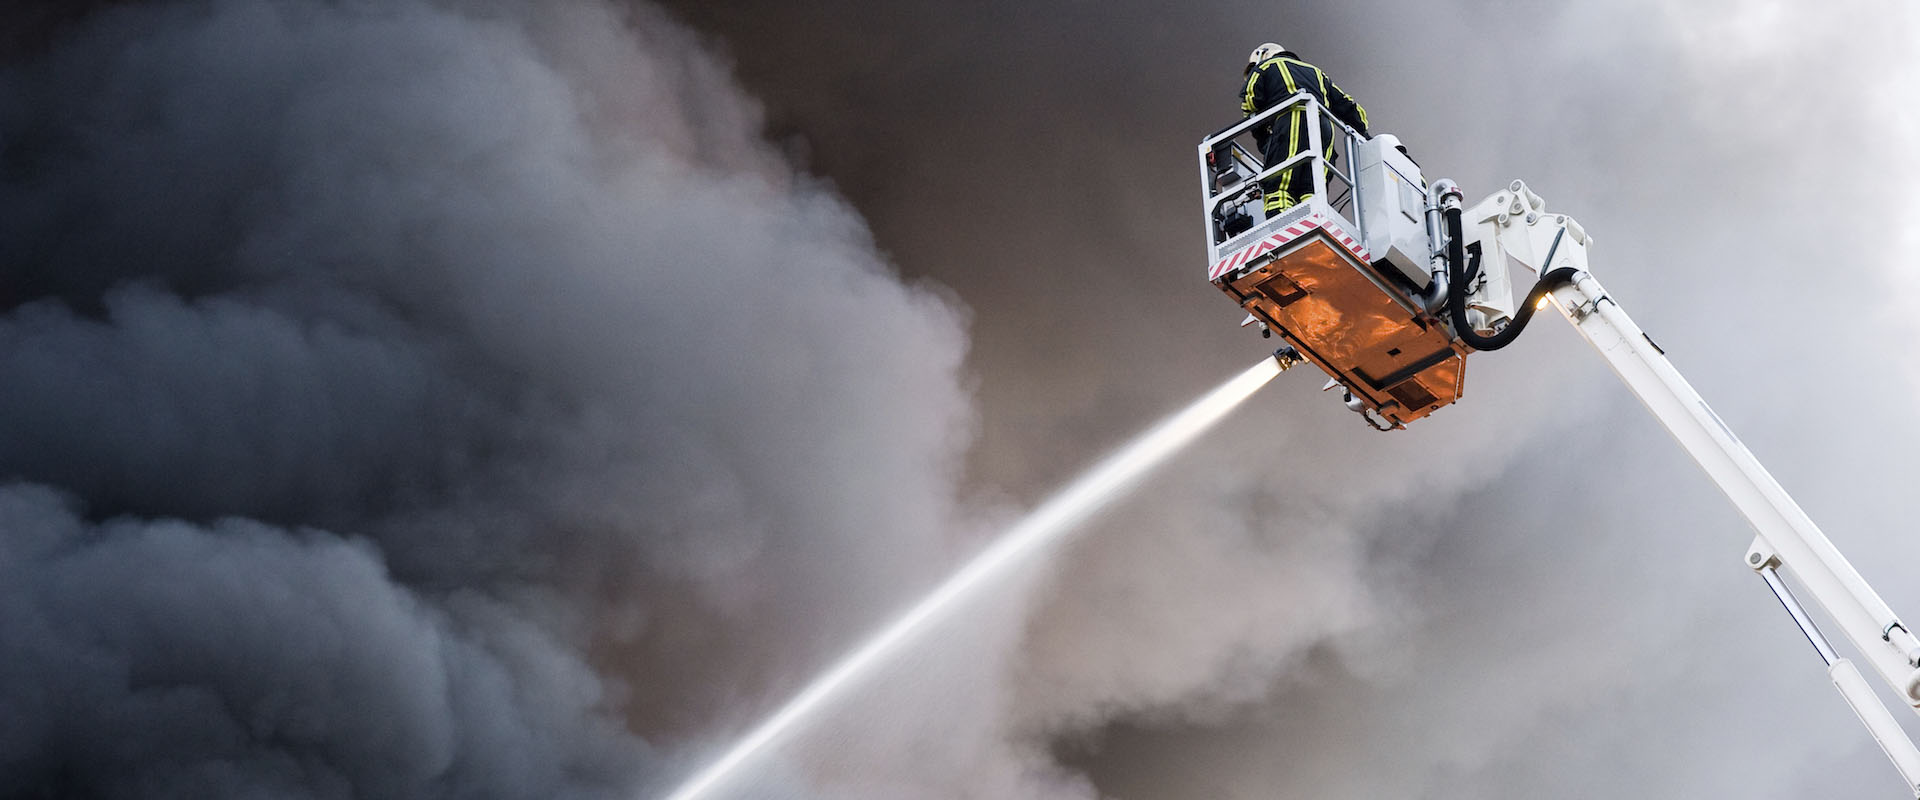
point(1362, 330)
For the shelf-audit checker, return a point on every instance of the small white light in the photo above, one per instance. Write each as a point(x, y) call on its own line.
point(1543, 302)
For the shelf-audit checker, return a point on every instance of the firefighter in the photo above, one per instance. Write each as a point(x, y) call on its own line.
point(1274, 74)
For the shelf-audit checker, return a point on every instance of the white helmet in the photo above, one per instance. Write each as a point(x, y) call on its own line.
point(1262, 53)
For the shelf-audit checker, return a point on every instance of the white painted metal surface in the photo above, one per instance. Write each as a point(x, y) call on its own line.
point(1880, 723)
point(1394, 216)
point(1504, 226)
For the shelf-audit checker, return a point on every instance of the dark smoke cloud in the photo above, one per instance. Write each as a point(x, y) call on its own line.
point(166, 659)
point(432, 399)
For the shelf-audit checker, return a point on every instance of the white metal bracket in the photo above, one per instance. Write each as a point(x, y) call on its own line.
point(1760, 556)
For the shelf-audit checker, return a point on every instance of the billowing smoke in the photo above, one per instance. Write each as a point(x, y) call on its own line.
point(465, 398)
point(432, 399)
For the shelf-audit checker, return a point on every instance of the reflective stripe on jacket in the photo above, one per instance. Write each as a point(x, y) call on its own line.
point(1281, 77)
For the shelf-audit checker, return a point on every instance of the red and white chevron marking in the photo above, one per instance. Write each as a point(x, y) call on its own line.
point(1340, 235)
point(1274, 241)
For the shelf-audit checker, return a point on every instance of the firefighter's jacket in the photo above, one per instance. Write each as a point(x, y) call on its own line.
point(1279, 78)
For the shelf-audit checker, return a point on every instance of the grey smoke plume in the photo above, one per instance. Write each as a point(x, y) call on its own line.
point(166, 659)
point(432, 399)
point(461, 398)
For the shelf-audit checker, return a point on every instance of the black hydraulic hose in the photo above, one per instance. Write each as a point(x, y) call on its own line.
point(1457, 290)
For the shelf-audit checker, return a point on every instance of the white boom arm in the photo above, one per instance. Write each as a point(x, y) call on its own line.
point(1520, 232)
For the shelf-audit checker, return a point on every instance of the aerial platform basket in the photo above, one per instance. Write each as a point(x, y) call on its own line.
point(1343, 277)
